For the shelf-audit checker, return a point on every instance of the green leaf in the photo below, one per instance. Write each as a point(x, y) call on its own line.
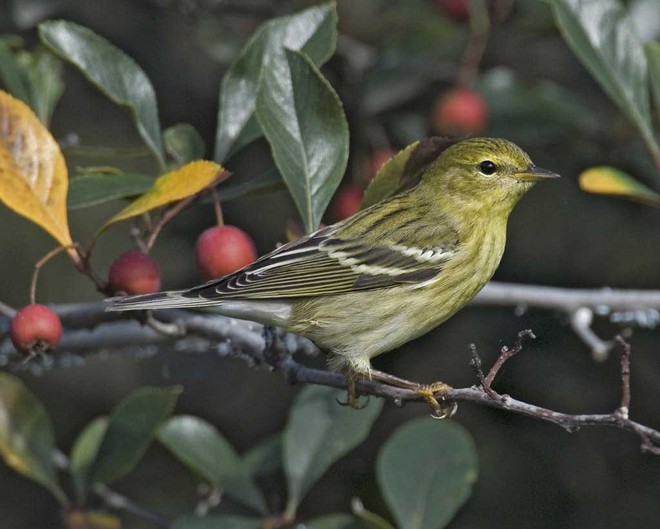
point(652, 50)
point(267, 180)
point(265, 457)
point(305, 125)
point(96, 188)
point(332, 521)
point(312, 30)
point(216, 521)
point(131, 428)
point(84, 452)
point(603, 37)
point(14, 78)
point(111, 71)
point(318, 433)
point(369, 519)
point(184, 143)
point(27, 441)
point(605, 180)
point(34, 77)
point(44, 71)
point(426, 470)
point(200, 447)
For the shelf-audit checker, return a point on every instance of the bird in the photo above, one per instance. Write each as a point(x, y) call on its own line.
point(391, 272)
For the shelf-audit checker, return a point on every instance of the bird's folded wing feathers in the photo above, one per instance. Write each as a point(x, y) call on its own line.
point(324, 263)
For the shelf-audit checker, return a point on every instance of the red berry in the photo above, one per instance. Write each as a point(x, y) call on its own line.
point(222, 250)
point(35, 328)
point(460, 111)
point(378, 159)
point(347, 202)
point(134, 272)
point(459, 10)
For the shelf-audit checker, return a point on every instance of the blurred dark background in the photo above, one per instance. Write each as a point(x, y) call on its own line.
point(394, 59)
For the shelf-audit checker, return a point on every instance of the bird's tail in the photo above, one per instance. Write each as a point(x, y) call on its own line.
point(159, 300)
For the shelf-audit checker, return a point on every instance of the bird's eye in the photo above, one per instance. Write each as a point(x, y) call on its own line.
point(487, 167)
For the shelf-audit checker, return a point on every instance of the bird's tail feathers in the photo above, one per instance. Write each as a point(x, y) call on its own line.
point(159, 300)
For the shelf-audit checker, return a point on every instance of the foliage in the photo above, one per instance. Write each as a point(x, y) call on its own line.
point(318, 433)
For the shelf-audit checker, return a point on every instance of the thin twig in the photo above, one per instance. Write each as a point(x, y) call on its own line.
point(6, 310)
point(41, 262)
point(507, 353)
point(581, 320)
point(174, 329)
point(476, 44)
point(476, 364)
point(118, 501)
point(624, 348)
point(167, 216)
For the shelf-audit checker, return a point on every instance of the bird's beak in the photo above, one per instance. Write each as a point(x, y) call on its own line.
point(535, 174)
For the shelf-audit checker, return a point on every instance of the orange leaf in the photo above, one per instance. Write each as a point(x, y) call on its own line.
point(611, 181)
point(171, 187)
point(33, 174)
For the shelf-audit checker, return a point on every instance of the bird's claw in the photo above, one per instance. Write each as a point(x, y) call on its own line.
point(440, 410)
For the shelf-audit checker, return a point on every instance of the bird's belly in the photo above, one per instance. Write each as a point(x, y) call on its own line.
point(366, 324)
point(361, 325)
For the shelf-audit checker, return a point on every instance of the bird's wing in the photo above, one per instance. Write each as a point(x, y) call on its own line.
point(326, 263)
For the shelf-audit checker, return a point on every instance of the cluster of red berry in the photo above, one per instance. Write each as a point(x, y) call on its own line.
point(220, 250)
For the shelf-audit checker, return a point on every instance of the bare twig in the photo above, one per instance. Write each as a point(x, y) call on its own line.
point(625, 377)
point(476, 44)
point(118, 501)
point(507, 353)
point(581, 320)
point(6, 310)
point(476, 364)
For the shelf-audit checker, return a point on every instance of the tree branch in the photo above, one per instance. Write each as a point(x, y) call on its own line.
point(604, 301)
point(90, 328)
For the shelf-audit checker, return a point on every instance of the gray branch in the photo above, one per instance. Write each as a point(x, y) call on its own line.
point(601, 300)
point(90, 328)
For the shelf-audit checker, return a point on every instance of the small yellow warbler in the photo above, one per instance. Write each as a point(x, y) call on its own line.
point(389, 273)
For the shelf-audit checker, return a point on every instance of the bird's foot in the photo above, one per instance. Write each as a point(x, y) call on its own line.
point(441, 409)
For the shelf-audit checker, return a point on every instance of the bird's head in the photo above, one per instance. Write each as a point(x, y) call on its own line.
point(484, 172)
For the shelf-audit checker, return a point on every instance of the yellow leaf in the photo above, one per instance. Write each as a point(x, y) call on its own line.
point(171, 187)
point(33, 174)
point(611, 181)
point(77, 519)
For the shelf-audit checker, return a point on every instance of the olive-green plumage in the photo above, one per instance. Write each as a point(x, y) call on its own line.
point(389, 273)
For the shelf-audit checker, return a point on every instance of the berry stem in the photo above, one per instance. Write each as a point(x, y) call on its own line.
point(217, 207)
point(41, 262)
point(167, 216)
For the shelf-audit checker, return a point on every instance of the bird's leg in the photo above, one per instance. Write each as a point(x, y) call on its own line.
point(426, 391)
point(352, 397)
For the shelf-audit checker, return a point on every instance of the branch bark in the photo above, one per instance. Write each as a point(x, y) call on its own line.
point(90, 328)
